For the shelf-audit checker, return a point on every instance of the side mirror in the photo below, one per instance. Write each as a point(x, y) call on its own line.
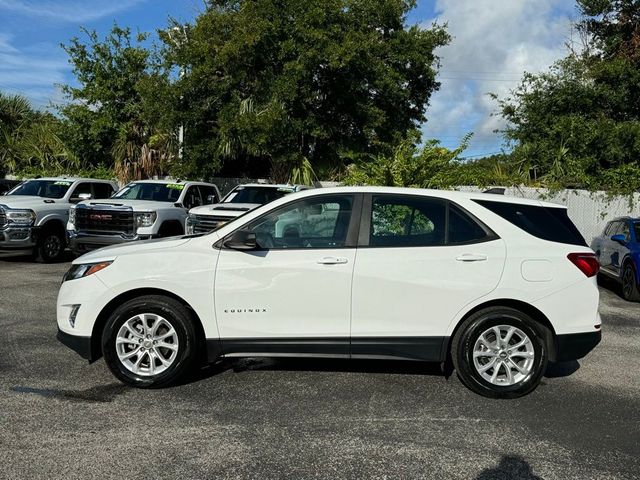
point(619, 238)
point(81, 198)
point(241, 240)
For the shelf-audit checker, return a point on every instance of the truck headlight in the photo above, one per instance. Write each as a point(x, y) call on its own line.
point(84, 270)
point(21, 217)
point(145, 219)
point(72, 215)
point(188, 226)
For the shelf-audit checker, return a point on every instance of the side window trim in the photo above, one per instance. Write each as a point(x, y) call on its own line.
point(351, 240)
point(365, 222)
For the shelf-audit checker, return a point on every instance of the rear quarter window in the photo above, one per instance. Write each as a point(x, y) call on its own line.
point(547, 223)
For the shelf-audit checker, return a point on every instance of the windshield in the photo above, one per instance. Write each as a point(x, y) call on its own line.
point(258, 195)
point(157, 192)
point(42, 188)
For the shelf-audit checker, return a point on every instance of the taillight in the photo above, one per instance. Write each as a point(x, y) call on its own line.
point(586, 262)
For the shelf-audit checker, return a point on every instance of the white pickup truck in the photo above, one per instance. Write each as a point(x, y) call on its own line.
point(33, 215)
point(240, 200)
point(141, 210)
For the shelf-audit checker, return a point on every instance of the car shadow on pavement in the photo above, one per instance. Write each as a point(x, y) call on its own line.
point(510, 466)
point(561, 369)
point(247, 364)
point(398, 367)
point(100, 393)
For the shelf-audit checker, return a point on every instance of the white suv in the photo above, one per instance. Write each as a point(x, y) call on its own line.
point(498, 285)
point(240, 200)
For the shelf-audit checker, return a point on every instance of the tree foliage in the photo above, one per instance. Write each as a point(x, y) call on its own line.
point(270, 82)
point(578, 125)
point(30, 139)
point(112, 117)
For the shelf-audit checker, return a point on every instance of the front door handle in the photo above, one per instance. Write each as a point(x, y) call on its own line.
point(471, 257)
point(332, 261)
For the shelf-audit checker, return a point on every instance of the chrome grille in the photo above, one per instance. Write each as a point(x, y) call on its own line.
point(207, 223)
point(104, 221)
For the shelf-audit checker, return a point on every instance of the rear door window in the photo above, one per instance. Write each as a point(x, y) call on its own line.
point(208, 194)
point(547, 223)
point(102, 190)
point(401, 221)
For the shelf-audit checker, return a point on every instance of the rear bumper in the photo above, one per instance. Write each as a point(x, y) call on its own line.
point(80, 345)
point(576, 345)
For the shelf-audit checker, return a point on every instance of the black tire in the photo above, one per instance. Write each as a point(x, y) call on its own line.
point(52, 244)
point(465, 339)
point(630, 291)
point(177, 315)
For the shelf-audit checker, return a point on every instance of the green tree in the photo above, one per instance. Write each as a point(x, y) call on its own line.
point(272, 84)
point(112, 117)
point(30, 139)
point(578, 125)
point(410, 165)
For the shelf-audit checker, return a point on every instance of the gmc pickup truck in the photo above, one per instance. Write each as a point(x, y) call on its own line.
point(140, 211)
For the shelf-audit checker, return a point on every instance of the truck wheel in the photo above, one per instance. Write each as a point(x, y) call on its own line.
point(500, 352)
point(150, 342)
point(630, 290)
point(51, 245)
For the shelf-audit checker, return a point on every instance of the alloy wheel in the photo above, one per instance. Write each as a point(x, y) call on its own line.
point(628, 282)
point(147, 344)
point(52, 246)
point(503, 355)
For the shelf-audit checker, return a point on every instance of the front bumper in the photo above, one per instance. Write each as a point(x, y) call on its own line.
point(15, 238)
point(80, 345)
point(574, 346)
point(80, 242)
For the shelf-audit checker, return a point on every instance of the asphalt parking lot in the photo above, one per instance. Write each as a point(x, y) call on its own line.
point(260, 418)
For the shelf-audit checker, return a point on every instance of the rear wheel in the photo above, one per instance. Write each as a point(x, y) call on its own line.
point(150, 342)
point(500, 353)
point(630, 290)
point(51, 245)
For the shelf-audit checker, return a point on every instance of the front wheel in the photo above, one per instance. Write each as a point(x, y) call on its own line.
point(500, 352)
point(51, 245)
point(630, 290)
point(150, 342)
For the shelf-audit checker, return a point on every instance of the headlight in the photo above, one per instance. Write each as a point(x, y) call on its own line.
point(188, 226)
point(21, 217)
point(145, 219)
point(84, 270)
point(72, 215)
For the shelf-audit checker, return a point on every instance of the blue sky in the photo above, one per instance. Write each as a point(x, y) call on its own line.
point(494, 42)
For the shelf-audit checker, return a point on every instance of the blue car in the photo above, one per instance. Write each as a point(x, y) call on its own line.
point(618, 251)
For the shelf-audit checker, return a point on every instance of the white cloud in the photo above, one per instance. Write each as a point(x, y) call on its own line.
point(32, 71)
point(67, 11)
point(493, 43)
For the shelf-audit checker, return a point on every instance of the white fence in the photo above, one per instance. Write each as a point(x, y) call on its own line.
point(590, 211)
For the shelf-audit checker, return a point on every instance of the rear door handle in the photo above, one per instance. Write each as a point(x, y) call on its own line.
point(332, 261)
point(471, 257)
